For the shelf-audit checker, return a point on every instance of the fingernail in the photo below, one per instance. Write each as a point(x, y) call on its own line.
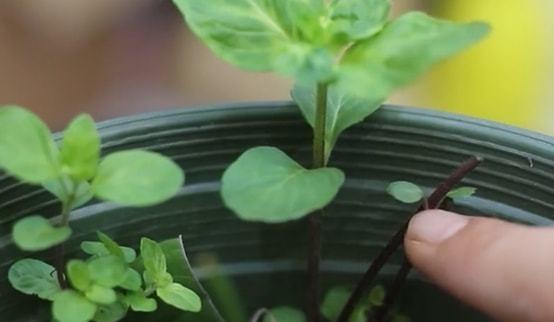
point(435, 226)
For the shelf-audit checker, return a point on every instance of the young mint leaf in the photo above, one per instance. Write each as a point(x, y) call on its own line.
point(80, 150)
point(126, 253)
point(264, 184)
point(180, 297)
point(140, 303)
point(261, 35)
point(112, 312)
point(137, 178)
point(78, 274)
point(70, 306)
point(33, 277)
point(405, 192)
point(99, 249)
point(132, 281)
point(108, 271)
point(402, 51)
point(353, 20)
point(461, 192)
point(27, 150)
point(35, 233)
point(101, 295)
point(61, 188)
point(284, 314)
point(153, 258)
point(343, 110)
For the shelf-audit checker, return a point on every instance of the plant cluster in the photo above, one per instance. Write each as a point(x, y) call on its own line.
point(346, 57)
point(103, 287)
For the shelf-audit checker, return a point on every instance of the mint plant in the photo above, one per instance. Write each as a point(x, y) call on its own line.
point(113, 279)
point(346, 58)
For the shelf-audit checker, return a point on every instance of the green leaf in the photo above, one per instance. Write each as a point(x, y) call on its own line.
point(264, 184)
point(334, 301)
point(284, 314)
point(27, 150)
point(343, 110)
point(140, 303)
point(132, 281)
point(262, 35)
point(402, 51)
point(70, 306)
point(78, 274)
point(101, 295)
point(353, 20)
point(33, 277)
point(62, 186)
point(99, 249)
point(377, 295)
point(80, 150)
point(405, 192)
point(111, 313)
point(180, 297)
point(35, 233)
point(108, 271)
point(126, 253)
point(153, 257)
point(137, 178)
point(461, 192)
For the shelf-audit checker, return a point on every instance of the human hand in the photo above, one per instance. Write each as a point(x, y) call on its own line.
point(503, 269)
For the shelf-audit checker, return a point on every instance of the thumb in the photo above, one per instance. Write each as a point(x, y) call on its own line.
point(503, 269)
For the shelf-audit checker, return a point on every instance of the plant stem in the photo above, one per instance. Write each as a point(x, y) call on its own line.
point(433, 201)
point(314, 219)
point(383, 311)
point(60, 249)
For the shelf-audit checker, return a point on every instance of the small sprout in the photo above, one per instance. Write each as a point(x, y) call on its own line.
point(405, 192)
point(35, 233)
point(462, 192)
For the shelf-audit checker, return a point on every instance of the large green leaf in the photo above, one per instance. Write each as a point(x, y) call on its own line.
point(137, 178)
point(264, 184)
point(33, 277)
point(27, 150)
point(35, 233)
point(403, 50)
point(80, 150)
point(180, 297)
point(353, 20)
point(343, 110)
point(260, 35)
point(70, 306)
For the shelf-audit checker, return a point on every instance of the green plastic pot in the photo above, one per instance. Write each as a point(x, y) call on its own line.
point(265, 262)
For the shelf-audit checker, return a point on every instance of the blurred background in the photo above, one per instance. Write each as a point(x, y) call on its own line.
point(118, 57)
